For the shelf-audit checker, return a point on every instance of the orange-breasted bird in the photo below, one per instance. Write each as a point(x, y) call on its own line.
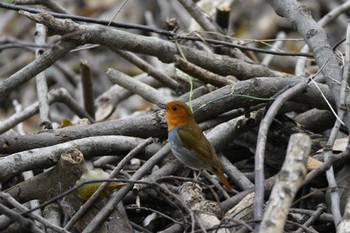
point(188, 143)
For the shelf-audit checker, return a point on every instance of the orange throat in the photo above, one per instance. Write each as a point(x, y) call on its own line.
point(175, 121)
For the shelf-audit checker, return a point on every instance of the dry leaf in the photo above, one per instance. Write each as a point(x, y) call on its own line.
point(87, 190)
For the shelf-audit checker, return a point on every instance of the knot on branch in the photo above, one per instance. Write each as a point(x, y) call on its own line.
point(304, 10)
point(311, 33)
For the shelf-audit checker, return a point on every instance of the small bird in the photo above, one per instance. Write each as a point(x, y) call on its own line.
point(188, 143)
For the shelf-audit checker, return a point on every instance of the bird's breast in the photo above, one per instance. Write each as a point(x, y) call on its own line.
point(186, 156)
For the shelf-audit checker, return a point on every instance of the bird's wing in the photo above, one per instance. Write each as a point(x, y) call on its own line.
point(193, 139)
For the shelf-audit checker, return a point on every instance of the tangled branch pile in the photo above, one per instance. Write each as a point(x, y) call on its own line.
point(83, 97)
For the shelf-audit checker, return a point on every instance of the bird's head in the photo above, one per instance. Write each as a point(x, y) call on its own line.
point(177, 114)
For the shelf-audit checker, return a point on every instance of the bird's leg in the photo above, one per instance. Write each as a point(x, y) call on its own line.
point(196, 176)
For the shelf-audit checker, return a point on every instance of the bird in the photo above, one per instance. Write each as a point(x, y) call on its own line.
point(188, 143)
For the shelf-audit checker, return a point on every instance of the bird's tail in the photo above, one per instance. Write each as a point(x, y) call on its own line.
point(223, 179)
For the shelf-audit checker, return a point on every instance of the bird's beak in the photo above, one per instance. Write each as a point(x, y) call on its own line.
point(161, 105)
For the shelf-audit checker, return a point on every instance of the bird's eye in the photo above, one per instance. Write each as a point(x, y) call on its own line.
point(174, 108)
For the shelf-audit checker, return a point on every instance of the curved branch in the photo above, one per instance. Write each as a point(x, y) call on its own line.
point(316, 38)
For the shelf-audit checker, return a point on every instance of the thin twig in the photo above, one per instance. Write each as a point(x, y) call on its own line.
point(31, 214)
point(87, 86)
point(146, 67)
point(335, 199)
point(320, 209)
point(117, 197)
point(41, 83)
point(25, 223)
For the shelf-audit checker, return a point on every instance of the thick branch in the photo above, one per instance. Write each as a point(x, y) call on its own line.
point(316, 38)
point(153, 125)
point(288, 182)
point(164, 50)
